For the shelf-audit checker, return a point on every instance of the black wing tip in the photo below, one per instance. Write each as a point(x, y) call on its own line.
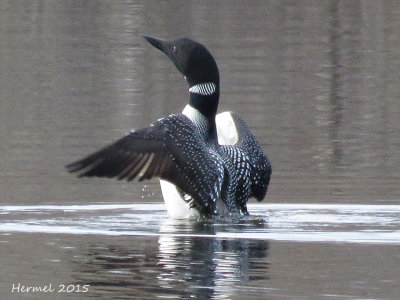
point(72, 167)
point(75, 167)
point(81, 167)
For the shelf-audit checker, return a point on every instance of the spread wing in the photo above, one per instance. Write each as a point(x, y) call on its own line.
point(260, 165)
point(243, 148)
point(143, 154)
point(170, 149)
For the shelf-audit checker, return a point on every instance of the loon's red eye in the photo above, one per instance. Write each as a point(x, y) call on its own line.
point(174, 49)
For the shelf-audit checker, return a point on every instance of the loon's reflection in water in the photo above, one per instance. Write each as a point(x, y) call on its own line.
point(211, 266)
point(202, 266)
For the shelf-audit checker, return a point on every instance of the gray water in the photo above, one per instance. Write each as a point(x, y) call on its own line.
point(317, 82)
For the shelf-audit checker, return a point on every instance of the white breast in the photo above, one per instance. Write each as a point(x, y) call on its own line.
point(177, 207)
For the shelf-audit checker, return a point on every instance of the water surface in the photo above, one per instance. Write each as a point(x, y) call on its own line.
point(125, 250)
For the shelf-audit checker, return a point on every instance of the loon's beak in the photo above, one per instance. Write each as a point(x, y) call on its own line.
point(168, 48)
point(158, 43)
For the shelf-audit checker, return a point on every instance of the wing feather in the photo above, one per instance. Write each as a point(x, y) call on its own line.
point(157, 151)
point(246, 143)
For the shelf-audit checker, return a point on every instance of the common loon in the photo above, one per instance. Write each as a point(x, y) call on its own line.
point(208, 164)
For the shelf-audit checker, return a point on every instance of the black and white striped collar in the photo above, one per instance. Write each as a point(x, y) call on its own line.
point(204, 89)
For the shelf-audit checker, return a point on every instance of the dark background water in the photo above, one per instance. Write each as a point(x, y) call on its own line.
point(317, 82)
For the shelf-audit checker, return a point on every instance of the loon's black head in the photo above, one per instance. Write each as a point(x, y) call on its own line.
point(198, 67)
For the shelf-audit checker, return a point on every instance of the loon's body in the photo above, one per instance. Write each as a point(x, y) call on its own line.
point(208, 164)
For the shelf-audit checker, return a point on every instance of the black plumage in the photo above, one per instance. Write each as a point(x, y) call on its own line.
point(171, 149)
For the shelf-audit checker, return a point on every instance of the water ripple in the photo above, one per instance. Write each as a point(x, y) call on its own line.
point(378, 224)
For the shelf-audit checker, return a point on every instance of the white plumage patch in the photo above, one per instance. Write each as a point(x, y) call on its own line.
point(226, 129)
point(205, 89)
point(177, 207)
